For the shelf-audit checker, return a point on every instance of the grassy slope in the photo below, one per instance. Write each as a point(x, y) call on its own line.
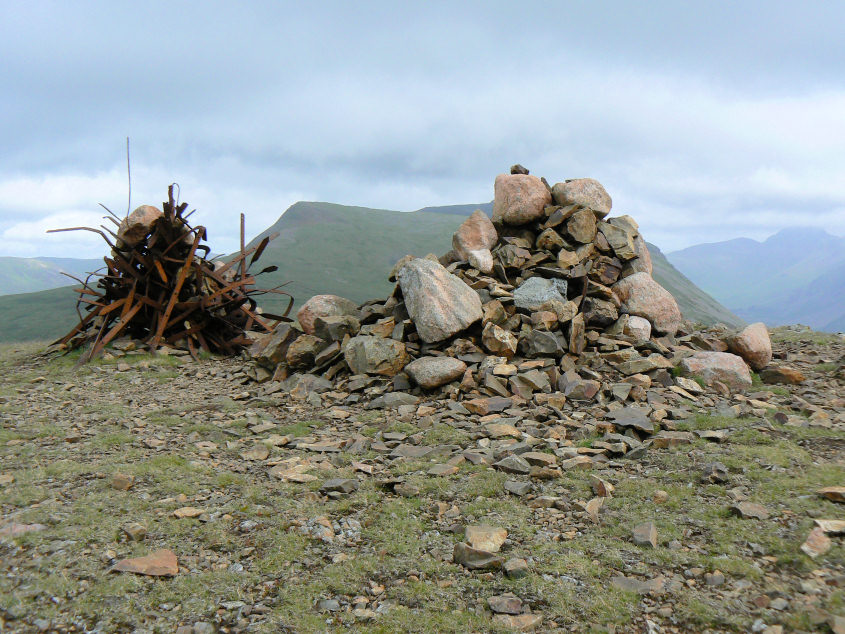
point(348, 251)
point(45, 315)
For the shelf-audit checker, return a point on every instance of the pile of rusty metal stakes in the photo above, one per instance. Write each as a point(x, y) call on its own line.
point(159, 288)
point(550, 301)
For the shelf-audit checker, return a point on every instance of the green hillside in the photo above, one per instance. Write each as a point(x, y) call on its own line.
point(45, 315)
point(348, 251)
point(364, 244)
point(329, 248)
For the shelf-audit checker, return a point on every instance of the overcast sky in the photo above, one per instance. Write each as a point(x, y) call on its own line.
point(704, 121)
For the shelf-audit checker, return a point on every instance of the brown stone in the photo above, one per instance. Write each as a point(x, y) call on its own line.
point(581, 227)
point(505, 604)
point(122, 481)
point(484, 406)
point(519, 622)
point(749, 510)
point(620, 239)
point(567, 259)
point(432, 372)
point(475, 559)
point(487, 538)
point(577, 335)
point(835, 493)
point(519, 199)
point(375, 355)
point(161, 563)
point(270, 350)
point(549, 240)
point(498, 341)
point(302, 351)
point(817, 543)
point(782, 375)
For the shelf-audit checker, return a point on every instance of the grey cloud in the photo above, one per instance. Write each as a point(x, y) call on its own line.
point(688, 113)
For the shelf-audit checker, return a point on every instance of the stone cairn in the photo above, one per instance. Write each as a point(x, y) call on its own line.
point(552, 302)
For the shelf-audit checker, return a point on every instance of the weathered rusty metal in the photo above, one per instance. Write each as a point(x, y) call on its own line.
point(165, 290)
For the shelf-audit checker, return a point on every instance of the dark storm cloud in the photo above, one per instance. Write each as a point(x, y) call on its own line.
point(716, 119)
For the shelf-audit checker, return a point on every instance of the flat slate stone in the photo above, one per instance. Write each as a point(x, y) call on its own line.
point(513, 464)
point(633, 417)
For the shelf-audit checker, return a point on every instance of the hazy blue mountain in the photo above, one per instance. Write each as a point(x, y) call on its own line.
point(26, 275)
point(795, 276)
point(695, 304)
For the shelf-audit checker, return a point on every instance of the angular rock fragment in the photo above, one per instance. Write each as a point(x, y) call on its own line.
point(620, 240)
point(137, 225)
point(535, 292)
point(750, 510)
point(782, 375)
point(505, 604)
point(475, 233)
point(475, 559)
point(817, 543)
point(645, 534)
point(484, 537)
point(498, 341)
point(161, 563)
point(375, 355)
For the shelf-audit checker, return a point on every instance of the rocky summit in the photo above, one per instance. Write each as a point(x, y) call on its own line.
point(552, 299)
point(525, 435)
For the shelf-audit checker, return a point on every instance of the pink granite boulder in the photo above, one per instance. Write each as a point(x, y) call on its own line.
point(519, 199)
point(476, 233)
point(324, 306)
point(753, 344)
point(640, 295)
point(723, 367)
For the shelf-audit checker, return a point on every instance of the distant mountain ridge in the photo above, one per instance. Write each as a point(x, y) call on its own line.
point(361, 274)
point(795, 276)
point(342, 250)
point(27, 275)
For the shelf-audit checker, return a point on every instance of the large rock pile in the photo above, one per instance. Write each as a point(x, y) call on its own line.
point(551, 301)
